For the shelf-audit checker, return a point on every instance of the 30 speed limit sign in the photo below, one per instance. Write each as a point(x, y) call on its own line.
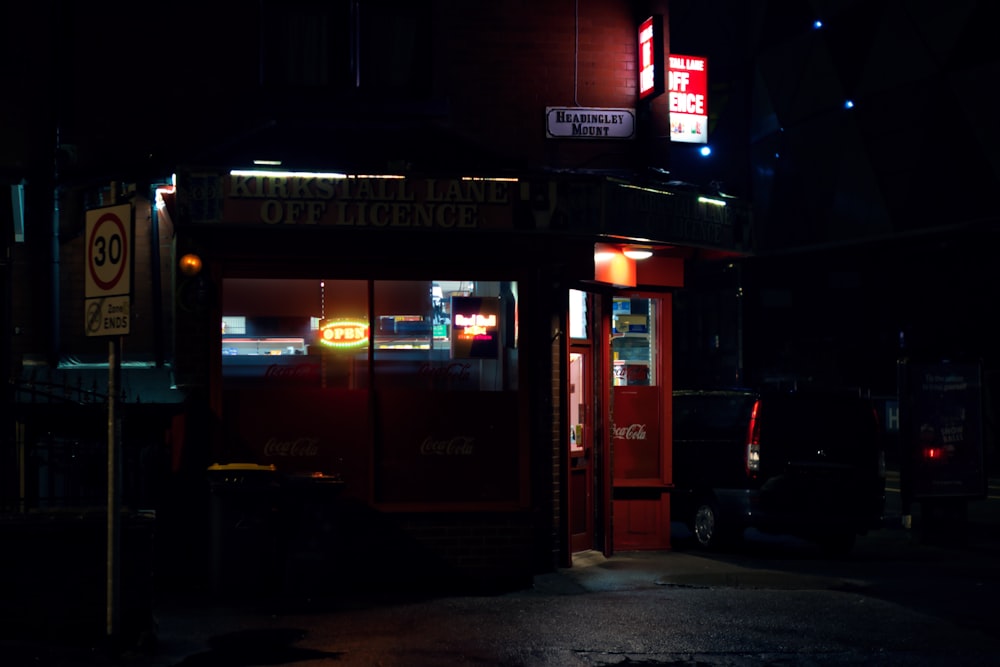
point(108, 270)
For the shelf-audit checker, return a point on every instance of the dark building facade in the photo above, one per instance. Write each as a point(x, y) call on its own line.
point(353, 274)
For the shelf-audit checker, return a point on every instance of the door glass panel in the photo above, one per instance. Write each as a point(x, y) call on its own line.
point(633, 339)
point(635, 400)
point(578, 315)
point(577, 396)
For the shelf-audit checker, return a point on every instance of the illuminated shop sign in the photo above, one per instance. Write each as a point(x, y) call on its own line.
point(651, 57)
point(283, 199)
point(475, 327)
point(344, 334)
point(688, 95)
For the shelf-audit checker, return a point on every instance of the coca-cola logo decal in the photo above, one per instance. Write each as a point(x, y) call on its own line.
point(292, 371)
point(456, 445)
point(630, 432)
point(455, 371)
point(301, 446)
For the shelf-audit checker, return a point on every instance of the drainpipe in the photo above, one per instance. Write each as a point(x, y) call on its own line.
point(55, 342)
point(154, 261)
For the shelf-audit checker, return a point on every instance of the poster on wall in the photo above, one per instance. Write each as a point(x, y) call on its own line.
point(941, 426)
point(687, 92)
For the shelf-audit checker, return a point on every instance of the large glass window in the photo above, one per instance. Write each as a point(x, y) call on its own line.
point(318, 372)
point(457, 335)
point(429, 334)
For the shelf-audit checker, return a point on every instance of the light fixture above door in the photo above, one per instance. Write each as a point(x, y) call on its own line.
point(637, 252)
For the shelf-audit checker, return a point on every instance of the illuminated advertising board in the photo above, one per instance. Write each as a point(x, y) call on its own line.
point(475, 326)
point(344, 334)
point(651, 57)
point(688, 96)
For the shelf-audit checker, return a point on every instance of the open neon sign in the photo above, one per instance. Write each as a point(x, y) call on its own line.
point(344, 334)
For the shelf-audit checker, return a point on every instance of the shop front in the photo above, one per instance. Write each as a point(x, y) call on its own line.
point(412, 339)
point(383, 332)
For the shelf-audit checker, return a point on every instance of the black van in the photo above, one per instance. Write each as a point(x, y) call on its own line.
point(804, 463)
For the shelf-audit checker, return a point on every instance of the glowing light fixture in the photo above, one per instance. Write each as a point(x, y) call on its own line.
point(637, 253)
point(499, 179)
point(160, 192)
point(190, 264)
point(284, 174)
point(713, 202)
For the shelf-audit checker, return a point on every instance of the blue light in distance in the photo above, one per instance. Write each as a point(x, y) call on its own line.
point(848, 104)
point(817, 24)
point(705, 151)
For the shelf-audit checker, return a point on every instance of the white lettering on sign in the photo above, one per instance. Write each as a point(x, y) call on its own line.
point(687, 103)
point(630, 432)
point(650, 57)
point(475, 320)
point(684, 62)
point(646, 71)
point(582, 123)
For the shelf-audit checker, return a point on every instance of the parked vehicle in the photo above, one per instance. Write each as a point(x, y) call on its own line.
point(803, 463)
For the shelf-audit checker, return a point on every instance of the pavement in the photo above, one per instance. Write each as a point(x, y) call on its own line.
point(195, 629)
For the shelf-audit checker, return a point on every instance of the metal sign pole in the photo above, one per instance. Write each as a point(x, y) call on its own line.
point(114, 484)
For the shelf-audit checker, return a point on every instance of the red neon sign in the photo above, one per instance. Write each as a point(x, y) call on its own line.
point(650, 57)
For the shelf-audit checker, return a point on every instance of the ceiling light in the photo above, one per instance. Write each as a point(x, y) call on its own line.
point(637, 253)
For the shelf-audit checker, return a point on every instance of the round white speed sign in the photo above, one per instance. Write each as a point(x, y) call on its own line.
point(108, 252)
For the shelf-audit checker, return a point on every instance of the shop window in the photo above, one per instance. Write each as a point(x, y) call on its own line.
point(451, 335)
point(429, 375)
point(294, 332)
point(427, 334)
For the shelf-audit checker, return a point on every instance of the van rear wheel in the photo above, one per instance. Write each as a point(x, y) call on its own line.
point(709, 532)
